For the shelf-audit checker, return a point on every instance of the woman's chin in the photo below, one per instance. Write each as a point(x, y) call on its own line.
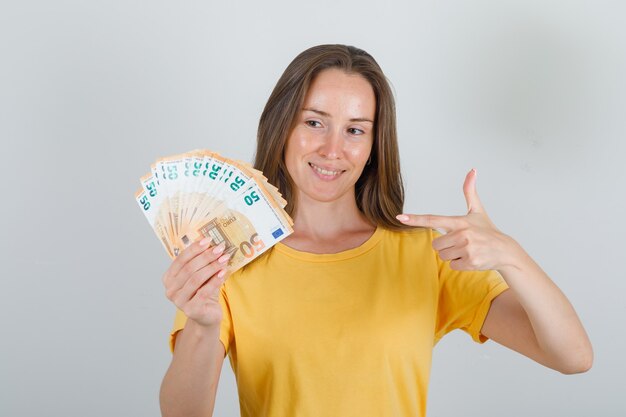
point(326, 196)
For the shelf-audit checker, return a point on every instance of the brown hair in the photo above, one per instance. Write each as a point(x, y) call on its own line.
point(379, 189)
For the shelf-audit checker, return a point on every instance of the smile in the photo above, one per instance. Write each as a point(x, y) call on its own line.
point(324, 173)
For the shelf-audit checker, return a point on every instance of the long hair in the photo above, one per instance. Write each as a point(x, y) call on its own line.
point(379, 190)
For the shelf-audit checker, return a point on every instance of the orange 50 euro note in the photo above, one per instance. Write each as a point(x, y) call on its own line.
point(200, 194)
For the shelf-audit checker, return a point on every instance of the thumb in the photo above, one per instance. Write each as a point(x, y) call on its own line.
point(471, 196)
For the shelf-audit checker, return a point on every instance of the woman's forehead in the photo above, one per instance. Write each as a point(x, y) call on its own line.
point(334, 92)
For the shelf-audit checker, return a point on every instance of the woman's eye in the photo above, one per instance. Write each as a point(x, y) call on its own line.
point(313, 123)
point(355, 131)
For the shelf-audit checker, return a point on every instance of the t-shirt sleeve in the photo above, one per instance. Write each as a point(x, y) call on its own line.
point(465, 298)
point(226, 329)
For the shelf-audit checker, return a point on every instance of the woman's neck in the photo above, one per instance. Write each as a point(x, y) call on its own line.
point(328, 227)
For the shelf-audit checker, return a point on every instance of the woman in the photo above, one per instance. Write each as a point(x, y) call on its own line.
point(341, 317)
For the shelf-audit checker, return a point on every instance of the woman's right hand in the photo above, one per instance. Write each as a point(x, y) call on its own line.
point(193, 280)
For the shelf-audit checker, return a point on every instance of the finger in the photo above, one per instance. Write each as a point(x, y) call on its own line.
point(453, 239)
point(186, 255)
point(459, 265)
point(474, 204)
point(199, 278)
point(209, 291)
point(453, 253)
point(200, 261)
point(446, 223)
point(175, 283)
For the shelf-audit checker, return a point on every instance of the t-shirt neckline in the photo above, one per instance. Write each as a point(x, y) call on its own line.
point(329, 257)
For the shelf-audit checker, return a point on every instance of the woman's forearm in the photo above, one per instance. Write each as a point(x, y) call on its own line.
point(558, 330)
point(190, 384)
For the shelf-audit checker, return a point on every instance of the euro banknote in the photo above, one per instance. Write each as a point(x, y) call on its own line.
point(198, 194)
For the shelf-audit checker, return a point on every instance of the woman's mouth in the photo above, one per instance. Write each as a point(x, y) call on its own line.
point(325, 174)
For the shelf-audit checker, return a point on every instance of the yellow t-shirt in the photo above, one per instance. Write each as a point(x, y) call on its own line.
point(346, 334)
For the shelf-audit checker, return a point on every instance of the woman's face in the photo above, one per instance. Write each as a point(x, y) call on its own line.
point(332, 139)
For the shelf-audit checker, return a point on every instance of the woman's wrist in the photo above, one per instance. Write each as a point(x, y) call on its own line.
point(201, 331)
point(515, 257)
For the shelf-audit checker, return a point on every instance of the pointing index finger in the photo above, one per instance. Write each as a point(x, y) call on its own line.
point(447, 223)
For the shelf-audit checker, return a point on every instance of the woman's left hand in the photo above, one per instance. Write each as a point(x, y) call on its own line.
point(472, 241)
point(535, 319)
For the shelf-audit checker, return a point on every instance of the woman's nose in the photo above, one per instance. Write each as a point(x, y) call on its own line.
point(332, 147)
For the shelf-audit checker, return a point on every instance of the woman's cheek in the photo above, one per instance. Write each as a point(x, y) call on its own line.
point(360, 153)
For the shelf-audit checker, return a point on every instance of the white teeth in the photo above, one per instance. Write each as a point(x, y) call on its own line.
point(323, 171)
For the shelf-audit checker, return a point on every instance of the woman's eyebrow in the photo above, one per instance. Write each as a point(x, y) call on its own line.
point(323, 113)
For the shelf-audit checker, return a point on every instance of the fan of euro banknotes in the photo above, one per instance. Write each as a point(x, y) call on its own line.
point(201, 194)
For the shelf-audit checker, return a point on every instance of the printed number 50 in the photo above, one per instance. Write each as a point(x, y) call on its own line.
point(144, 202)
point(250, 249)
point(250, 199)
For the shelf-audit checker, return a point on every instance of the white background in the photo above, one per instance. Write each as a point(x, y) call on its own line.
point(530, 93)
